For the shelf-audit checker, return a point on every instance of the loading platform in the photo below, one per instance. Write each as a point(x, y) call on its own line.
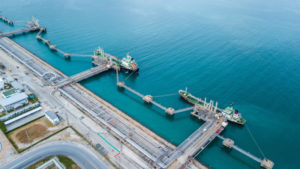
point(32, 26)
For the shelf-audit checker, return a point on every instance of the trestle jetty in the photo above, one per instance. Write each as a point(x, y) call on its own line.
point(158, 152)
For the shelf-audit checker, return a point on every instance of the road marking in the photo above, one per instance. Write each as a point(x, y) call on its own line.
point(108, 142)
point(117, 154)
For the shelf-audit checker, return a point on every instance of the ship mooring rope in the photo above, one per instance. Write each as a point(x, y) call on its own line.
point(20, 21)
point(165, 95)
point(129, 75)
point(253, 139)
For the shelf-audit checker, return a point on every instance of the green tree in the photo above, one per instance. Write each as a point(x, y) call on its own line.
point(2, 127)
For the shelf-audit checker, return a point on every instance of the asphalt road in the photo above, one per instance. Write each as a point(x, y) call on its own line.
point(83, 157)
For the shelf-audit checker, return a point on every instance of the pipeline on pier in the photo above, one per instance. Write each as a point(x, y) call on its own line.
point(265, 163)
point(55, 48)
point(149, 99)
point(31, 27)
point(8, 21)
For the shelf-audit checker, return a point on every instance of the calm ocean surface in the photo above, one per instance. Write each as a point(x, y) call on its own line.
point(246, 52)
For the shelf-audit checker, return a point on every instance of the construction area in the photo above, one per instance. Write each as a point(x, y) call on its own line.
point(150, 148)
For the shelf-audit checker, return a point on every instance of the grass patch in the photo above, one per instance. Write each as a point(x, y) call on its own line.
point(67, 162)
point(3, 114)
point(24, 149)
point(21, 150)
point(32, 98)
point(37, 164)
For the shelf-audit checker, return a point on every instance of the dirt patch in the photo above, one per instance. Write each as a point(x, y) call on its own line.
point(27, 135)
point(33, 132)
point(48, 123)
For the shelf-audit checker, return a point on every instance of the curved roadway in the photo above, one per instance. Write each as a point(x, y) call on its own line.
point(83, 157)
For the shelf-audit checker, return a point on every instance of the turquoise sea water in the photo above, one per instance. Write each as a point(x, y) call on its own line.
point(246, 52)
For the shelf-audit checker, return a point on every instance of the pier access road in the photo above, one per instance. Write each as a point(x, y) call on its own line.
point(82, 156)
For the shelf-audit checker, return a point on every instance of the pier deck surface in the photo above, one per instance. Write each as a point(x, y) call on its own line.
point(243, 151)
point(84, 75)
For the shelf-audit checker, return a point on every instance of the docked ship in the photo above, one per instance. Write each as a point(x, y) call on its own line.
point(128, 63)
point(189, 98)
point(229, 113)
point(233, 115)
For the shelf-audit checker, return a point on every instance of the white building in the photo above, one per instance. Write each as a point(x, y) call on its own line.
point(52, 117)
point(2, 84)
point(15, 101)
point(53, 163)
point(1, 110)
point(17, 85)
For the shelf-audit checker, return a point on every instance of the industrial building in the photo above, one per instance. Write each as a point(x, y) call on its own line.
point(17, 85)
point(52, 117)
point(2, 84)
point(15, 101)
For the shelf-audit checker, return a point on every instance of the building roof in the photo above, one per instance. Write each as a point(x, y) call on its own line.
point(13, 99)
point(10, 92)
point(17, 85)
point(51, 115)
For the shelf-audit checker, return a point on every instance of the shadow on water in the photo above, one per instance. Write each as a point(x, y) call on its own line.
point(129, 76)
point(235, 155)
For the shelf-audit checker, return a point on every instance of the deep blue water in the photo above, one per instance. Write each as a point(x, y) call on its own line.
point(246, 52)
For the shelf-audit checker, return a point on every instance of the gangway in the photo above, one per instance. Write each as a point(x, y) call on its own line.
point(183, 110)
point(84, 75)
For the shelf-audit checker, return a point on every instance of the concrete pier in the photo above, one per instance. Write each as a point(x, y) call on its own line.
point(4, 19)
point(267, 164)
point(84, 75)
point(149, 99)
point(229, 143)
point(195, 143)
point(52, 47)
point(31, 27)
